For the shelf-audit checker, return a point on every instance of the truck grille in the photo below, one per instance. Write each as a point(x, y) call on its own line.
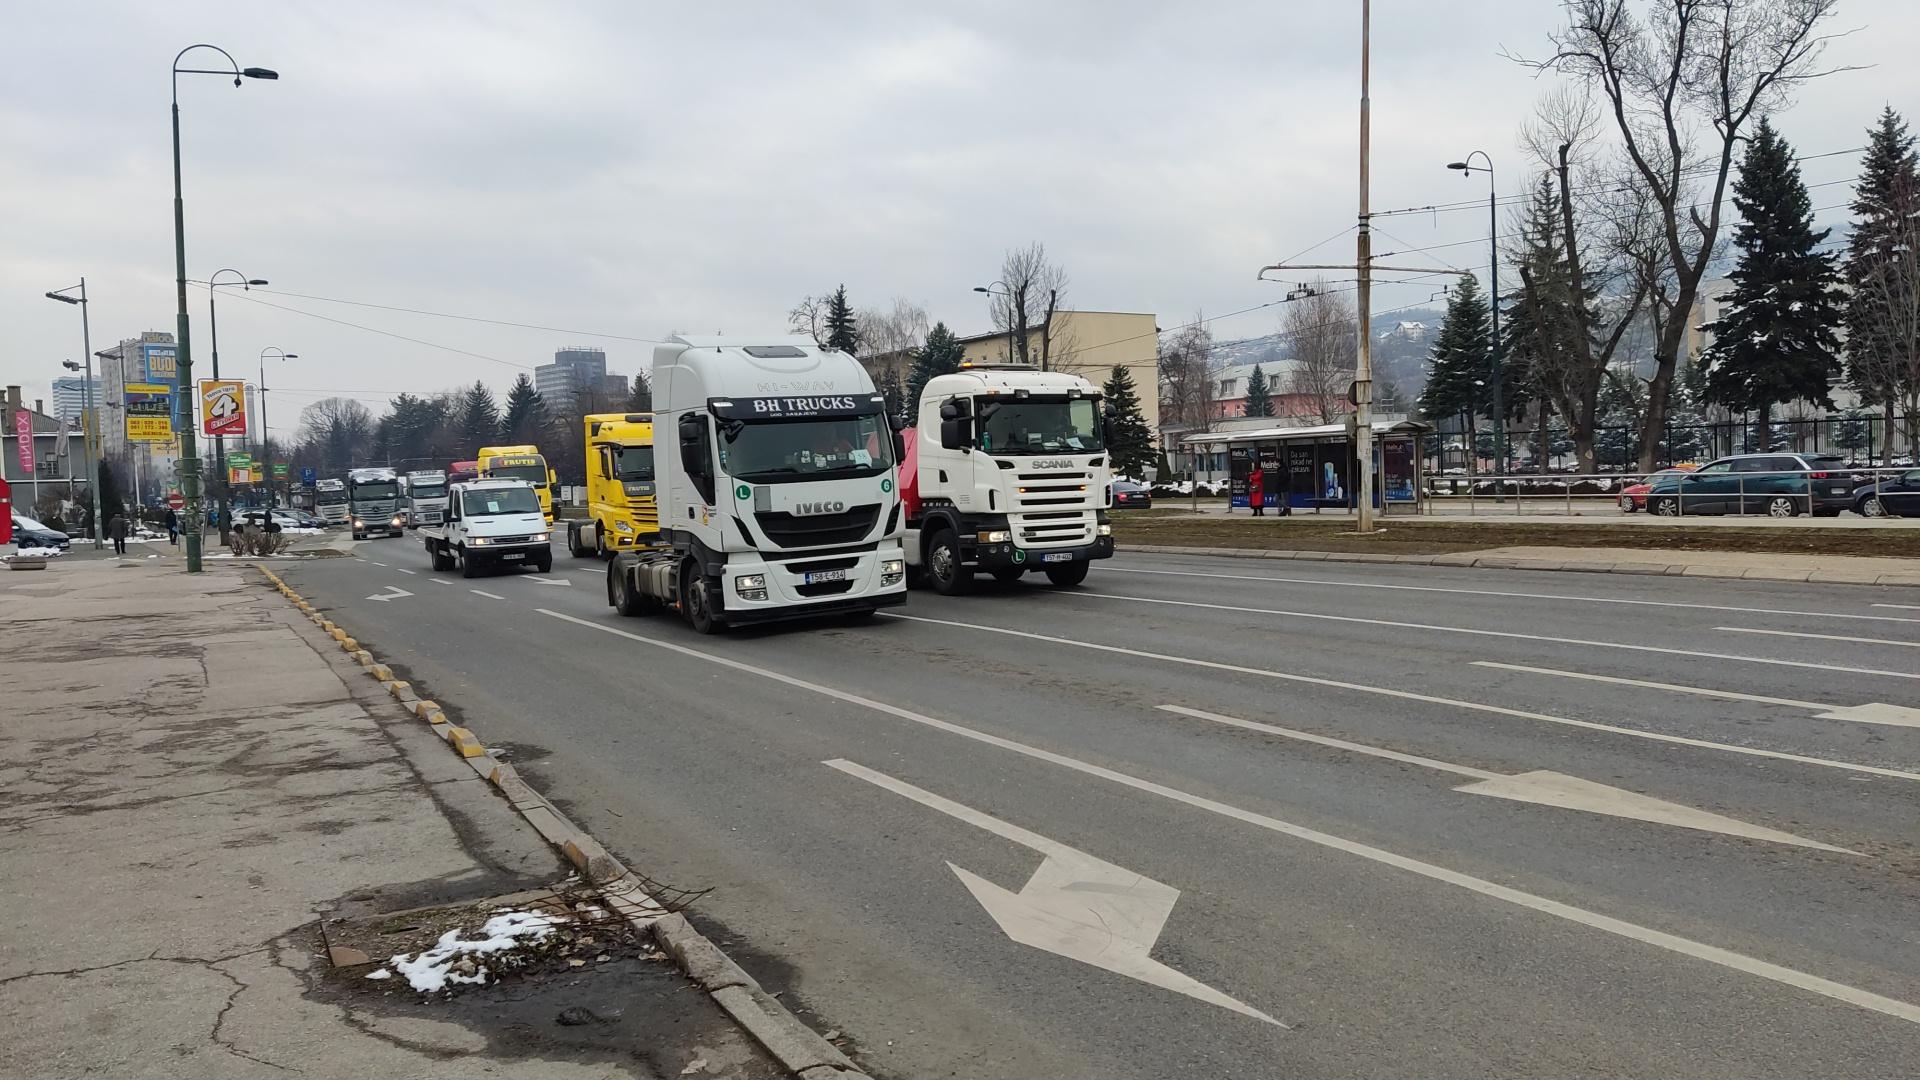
point(1055, 529)
point(818, 530)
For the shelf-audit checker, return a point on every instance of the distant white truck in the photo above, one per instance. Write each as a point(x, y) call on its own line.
point(426, 497)
point(490, 523)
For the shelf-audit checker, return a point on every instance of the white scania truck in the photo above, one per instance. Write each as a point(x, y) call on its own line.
point(1007, 472)
point(774, 469)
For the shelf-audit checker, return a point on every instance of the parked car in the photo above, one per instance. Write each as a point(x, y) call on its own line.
point(1634, 496)
point(1128, 495)
point(28, 533)
point(1895, 497)
point(285, 517)
point(1778, 485)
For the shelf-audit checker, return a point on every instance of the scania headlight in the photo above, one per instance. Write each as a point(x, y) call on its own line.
point(995, 536)
point(1106, 530)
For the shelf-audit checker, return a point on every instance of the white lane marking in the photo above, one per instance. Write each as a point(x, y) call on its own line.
point(1542, 786)
point(1074, 905)
point(1873, 712)
point(488, 595)
point(549, 580)
point(394, 592)
point(1523, 595)
point(1659, 939)
point(404, 570)
point(1083, 593)
point(1408, 695)
point(439, 581)
point(376, 563)
point(1818, 637)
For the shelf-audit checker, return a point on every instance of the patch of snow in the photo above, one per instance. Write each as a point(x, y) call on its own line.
point(296, 530)
point(431, 971)
point(39, 553)
point(379, 973)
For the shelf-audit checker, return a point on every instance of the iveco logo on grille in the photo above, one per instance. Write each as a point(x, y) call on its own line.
point(1054, 463)
point(806, 508)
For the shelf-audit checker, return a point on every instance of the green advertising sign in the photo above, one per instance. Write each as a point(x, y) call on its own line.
point(239, 461)
point(280, 470)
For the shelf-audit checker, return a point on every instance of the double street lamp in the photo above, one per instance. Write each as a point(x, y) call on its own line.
point(89, 422)
point(1493, 303)
point(183, 381)
point(219, 442)
point(266, 436)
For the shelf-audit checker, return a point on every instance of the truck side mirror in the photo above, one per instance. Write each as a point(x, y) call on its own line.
point(957, 433)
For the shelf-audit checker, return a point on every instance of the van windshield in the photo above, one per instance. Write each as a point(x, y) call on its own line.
point(497, 501)
point(1039, 425)
point(775, 451)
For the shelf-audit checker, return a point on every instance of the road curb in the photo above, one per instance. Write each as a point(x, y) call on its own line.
point(1909, 579)
point(799, 1049)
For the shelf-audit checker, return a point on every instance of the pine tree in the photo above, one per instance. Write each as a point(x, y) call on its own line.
point(1131, 442)
point(1777, 341)
point(526, 418)
point(1458, 370)
point(1537, 329)
point(478, 424)
point(842, 331)
point(941, 355)
point(641, 399)
point(1879, 338)
point(1259, 394)
point(892, 391)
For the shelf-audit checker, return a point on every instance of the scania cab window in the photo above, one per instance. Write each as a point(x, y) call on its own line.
point(771, 451)
point(633, 463)
point(1039, 426)
point(501, 501)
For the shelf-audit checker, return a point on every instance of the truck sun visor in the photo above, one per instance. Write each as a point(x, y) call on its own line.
point(797, 408)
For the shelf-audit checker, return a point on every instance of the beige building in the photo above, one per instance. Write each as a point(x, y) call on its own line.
point(1089, 344)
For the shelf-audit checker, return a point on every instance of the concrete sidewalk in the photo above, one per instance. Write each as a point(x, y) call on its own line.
point(191, 780)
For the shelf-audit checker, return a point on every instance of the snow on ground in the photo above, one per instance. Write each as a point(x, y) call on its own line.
point(450, 959)
point(39, 553)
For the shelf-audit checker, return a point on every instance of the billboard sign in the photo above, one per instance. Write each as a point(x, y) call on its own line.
point(239, 459)
point(23, 435)
point(223, 407)
point(279, 470)
point(149, 408)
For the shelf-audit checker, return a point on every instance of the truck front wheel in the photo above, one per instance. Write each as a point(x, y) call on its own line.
point(1067, 575)
point(945, 572)
point(574, 547)
point(469, 566)
point(621, 594)
point(696, 600)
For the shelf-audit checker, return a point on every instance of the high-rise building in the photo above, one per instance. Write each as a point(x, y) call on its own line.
point(70, 398)
point(574, 369)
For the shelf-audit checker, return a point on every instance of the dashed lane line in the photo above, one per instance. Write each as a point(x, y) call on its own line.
point(488, 595)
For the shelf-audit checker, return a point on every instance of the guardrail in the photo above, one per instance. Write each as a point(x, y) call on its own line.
point(1784, 493)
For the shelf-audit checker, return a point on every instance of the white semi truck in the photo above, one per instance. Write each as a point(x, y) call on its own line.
point(1008, 473)
point(426, 492)
point(775, 479)
point(330, 501)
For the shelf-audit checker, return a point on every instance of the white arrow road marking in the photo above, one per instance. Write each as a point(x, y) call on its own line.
point(1607, 924)
point(394, 592)
point(1540, 786)
point(1075, 905)
point(1409, 695)
point(1870, 713)
point(488, 595)
point(1081, 593)
point(549, 580)
point(1818, 637)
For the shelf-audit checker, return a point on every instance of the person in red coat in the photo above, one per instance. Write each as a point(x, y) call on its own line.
point(1256, 490)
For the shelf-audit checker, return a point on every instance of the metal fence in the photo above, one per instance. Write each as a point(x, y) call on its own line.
point(1665, 493)
point(1862, 439)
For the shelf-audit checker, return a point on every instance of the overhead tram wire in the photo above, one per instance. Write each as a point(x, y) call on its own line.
point(384, 333)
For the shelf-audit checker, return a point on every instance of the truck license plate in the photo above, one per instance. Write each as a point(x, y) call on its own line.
point(1057, 556)
point(514, 555)
point(818, 576)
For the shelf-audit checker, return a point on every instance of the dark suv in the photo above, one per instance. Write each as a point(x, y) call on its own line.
point(1778, 485)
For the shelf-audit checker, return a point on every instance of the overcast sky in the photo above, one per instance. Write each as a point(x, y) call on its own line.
point(632, 169)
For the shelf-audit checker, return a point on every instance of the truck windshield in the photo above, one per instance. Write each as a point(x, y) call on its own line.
point(533, 474)
point(330, 498)
point(421, 490)
point(1039, 426)
point(775, 451)
point(376, 489)
point(514, 500)
point(633, 463)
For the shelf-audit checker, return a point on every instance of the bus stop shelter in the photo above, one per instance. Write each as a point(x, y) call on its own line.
point(1313, 467)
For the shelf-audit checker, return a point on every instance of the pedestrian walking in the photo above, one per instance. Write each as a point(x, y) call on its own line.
point(1257, 490)
point(117, 532)
point(173, 528)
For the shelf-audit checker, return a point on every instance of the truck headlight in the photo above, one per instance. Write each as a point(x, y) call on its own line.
point(542, 537)
point(478, 541)
point(1106, 530)
point(995, 536)
point(751, 586)
point(892, 570)
point(396, 519)
point(357, 523)
point(623, 526)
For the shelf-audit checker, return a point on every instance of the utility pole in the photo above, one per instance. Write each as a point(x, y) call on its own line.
point(89, 423)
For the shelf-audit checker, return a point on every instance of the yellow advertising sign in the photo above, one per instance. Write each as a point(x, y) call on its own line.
point(150, 429)
point(223, 407)
point(148, 388)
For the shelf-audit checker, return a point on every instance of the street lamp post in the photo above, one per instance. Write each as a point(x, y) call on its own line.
point(266, 436)
point(1493, 303)
point(225, 484)
point(183, 378)
point(1008, 293)
point(89, 423)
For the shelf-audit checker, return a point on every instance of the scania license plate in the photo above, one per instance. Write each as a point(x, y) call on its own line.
point(514, 555)
point(819, 576)
point(1057, 556)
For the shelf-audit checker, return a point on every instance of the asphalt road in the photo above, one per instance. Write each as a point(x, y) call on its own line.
point(866, 799)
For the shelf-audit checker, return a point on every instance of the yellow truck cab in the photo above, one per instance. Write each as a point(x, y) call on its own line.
point(520, 463)
point(621, 512)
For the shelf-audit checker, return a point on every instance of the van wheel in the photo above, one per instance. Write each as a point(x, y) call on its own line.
point(1067, 575)
point(544, 564)
point(696, 600)
point(945, 572)
point(469, 567)
point(621, 595)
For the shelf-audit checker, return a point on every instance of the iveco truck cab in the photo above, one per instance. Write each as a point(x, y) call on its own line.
point(776, 489)
point(622, 514)
point(1007, 472)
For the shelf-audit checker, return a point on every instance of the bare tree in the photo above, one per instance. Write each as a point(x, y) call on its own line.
point(1681, 86)
point(1886, 317)
point(889, 335)
point(1187, 374)
point(809, 317)
point(1320, 328)
point(1034, 289)
point(338, 430)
